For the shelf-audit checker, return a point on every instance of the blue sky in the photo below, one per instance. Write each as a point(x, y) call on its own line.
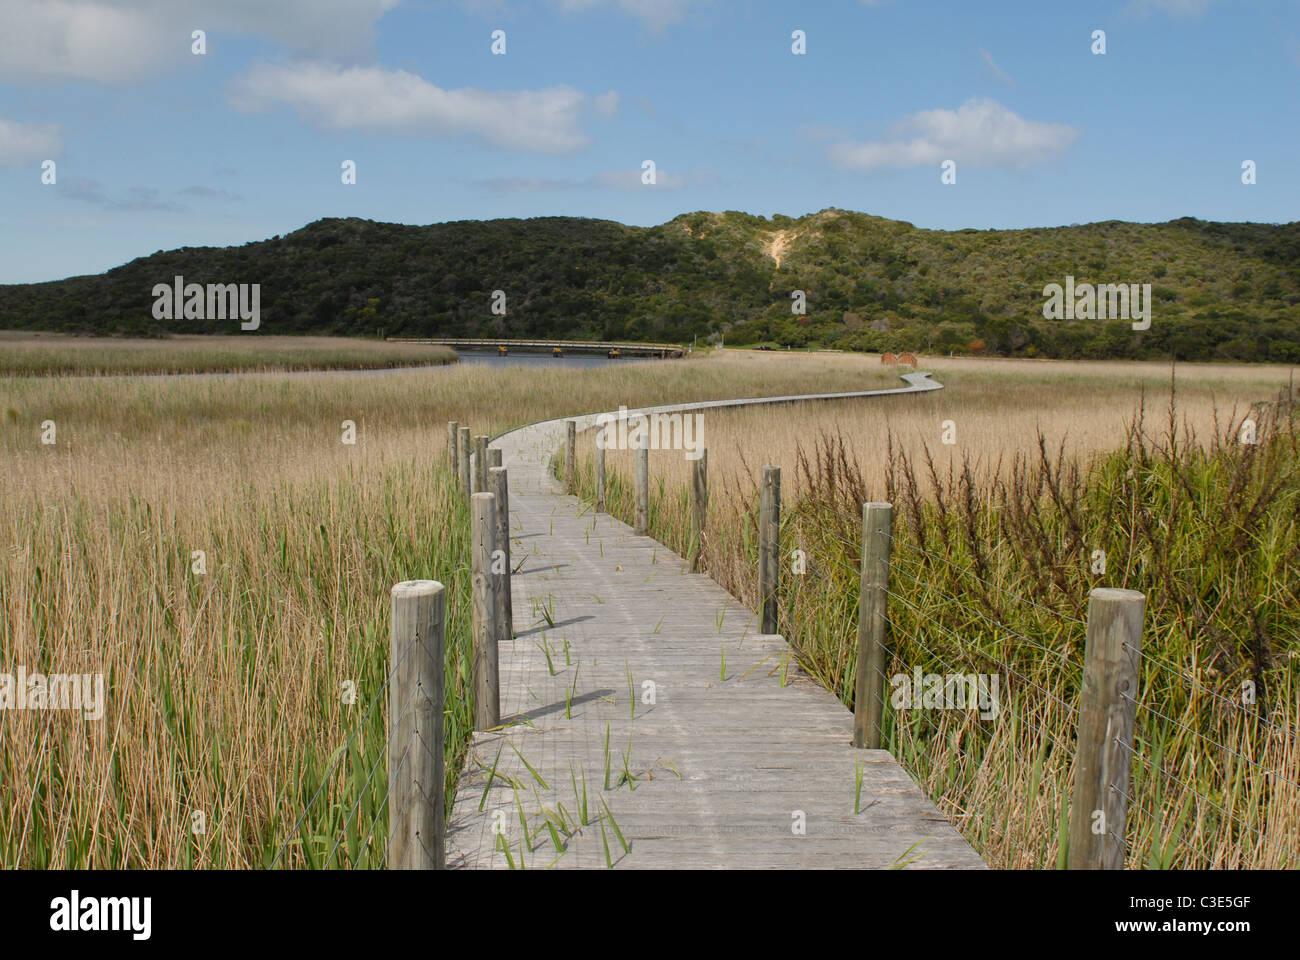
point(156, 147)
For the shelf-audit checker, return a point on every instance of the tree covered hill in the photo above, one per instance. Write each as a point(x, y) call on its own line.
point(1219, 290)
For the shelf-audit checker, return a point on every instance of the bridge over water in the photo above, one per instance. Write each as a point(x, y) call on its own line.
point(662, 350)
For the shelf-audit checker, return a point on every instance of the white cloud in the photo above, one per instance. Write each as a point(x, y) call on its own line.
point(117, 41)
point(980, 132)
point(23, 142)
point(395, 101)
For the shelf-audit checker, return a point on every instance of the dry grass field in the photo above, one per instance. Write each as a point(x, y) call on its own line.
point(998, 409)
point(52, 354)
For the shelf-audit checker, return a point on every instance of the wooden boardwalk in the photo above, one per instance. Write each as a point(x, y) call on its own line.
point(726, 763)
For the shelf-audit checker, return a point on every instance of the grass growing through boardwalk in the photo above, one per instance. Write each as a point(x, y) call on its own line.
point(992, 564)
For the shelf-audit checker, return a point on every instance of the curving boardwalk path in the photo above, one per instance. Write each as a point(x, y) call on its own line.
point(721, 769)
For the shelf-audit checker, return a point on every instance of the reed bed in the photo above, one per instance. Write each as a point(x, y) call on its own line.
point(995, 550)
point(57, 355)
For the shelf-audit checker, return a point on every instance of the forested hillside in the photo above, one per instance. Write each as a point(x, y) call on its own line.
point(1219, 290)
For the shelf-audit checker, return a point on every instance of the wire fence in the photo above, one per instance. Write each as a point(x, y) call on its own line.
point(1175, 798)
point(354, 858)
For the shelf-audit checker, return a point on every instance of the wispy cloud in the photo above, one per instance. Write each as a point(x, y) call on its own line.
point(654, 14)
point(997, 71)
point(23, 142)
point(821, 131)
point(395, 101)
point(210, 193)
point(136, 198)
point(980, 132)
point(145, 198)
point(601, 180)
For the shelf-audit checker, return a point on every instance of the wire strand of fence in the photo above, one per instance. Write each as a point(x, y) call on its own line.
point(1015, 673)
point(993, 586)
point(1132, 823)
point(381, 809)
point(381, 758)
point(1197, 845)
point(1204, 799)
point(894, 538)
point(998, 624)
point(1147, 657)
point(401, 813)
point(1209, 740)
point(1176, 671)
point(1023, 715)
point(365, 843)
point(1240, 707)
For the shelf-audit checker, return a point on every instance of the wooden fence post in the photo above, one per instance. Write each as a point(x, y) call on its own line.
point(466, 483)
point(487, 684)
point(873, 607)
point(1099, 804)
point(499, 487)
point(642, 484)
point(769, 546)
point(415, 735)
point(601, 440)
point(699, 506)
point(480, 464)
point(494, 458)
point(571, 456)
point(452, 440)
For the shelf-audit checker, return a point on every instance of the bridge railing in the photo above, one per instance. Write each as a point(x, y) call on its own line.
point(660, 349)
